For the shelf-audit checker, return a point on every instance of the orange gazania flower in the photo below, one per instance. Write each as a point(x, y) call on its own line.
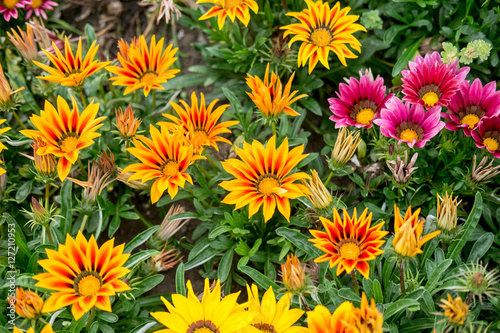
point(142, 67)
point(293, 273)
point(24, 43)
point(83, 275)
point(263, 176)
point(322, 321)
point(408, 231)
point(28, 304)
point(199, 122)
point(164, 157)
point(323, 29)
point(46, 329)
point(71, 70)
point(126, 122)
point(124, 47)
point(366, 318)
point(65, 131)
point(239, 9)
point(270, 97)
point(350, 242)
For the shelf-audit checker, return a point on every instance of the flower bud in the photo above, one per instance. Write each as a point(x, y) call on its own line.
point(27, 304)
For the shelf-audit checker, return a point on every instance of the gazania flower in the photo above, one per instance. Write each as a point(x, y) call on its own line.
point(211, 314)
point(477, 281)
point(198, 122)
point(83, 275)
point(65, 131)
point(482, 172)
point(359, 102)
point(6, 91)
point(124, 47)
point(402, 170)
point(455, 310)
point(408, 240)
point(272, 316)
point(269, 96)
point(46, 329)
point(27, 303)
point(345, 147)
point(263, 177)
point(39, 7)
point(24, 43)
point(164, 157)
point(349, 243)
point(45, 165)
point(9, 8)
point(430, 82)
point(447, 217)
point(126, 123)
point(294, 275)
point(471, 103)
point(239, 9)
point(367, 318)
point(323, 29)
point(409, 123)
point(318, 194)
point(488, 135)
point(322, 321)
point(143, 68)
point(71, 70)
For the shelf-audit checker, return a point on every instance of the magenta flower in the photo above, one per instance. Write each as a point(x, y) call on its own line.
point(470, 104)
point(488, 135)
point(9, 8)
point(409, 123)
point(359, 102)
point(39, 7)
point(429, 82)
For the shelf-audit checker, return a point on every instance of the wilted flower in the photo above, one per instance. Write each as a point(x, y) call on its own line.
point(6, 92)
point(168, 226)
point(449, 53)
point(162, 262)
point(167, 9)
point(107, 163)
point(318, 194)
point(402, 170)
point(43, 36)
point(25, 43)
point(447, 212)
point(27, 303)
point(345, 147)
point(477, 281)
point(126, 123)
point(455, 310)
point(482, 173)
point(294, 275)
point(371, 19)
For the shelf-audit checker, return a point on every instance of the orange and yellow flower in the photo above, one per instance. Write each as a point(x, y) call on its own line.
point(198, 122)
point(322, 321)
point(270, 97)
point(367, 318)
point(408, 239)
point(69, 69)
point(164, 157)
point(65, 131)
point(143, 68)
point(264, 177)
point(293, 273)
point(46, 329)
point(349, 243)
point(323, 29)
point(27, 303)
point(24, 43)
point(5, 89)
point(83, 275)
point(126, 123)
point(239, 9)
point(124, 47)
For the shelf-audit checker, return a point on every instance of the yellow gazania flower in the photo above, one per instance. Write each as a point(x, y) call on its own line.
point(199, 122)
point(272, 316)
point(349, 243)
point(263, 176)
point(367, 318)
point(24, 43)
point(28, 304)
point(65, 131)
point(323, 29)
point(210, 315)
point(71, 70)
point(318, 195)
point(239, 9)
point(322, 321)
point(144, 68)
point(164, 157)
point(5, 89)
point(293, 273)
point(47, 329)
point(270, 97)
point(408, 238)
point(455, 310)
point(83, 275)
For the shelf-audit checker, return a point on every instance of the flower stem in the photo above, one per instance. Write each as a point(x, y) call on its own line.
point(154, 99)
point(82, 168)
point(402, 278)
point(14, 113)
point(127, 145)
point(47, 196)
point(355, 282)
point(329, 178)
point(91, 317)
point(304, 303)
point(84, 222)
point(142, 218)
point(84, 102)
point(273, 125)
point(49, 235)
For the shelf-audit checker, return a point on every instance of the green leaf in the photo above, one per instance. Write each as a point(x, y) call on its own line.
point(19, 238)
point(140, 239)
point(143, 328)
point(90, 32)
point(202, 257)
point(139, 257)
point(377, 292)
point(466, 230)
point(300, 241)
point(219, 231)
point(147, 284)
point(23, 191)
point(225, 265)
point(436, 275)
point(180, 284)
point(66, 207)
point(481, 246)
point(259, 278)
point(398, 306)
point(406, 57)
point(311, 105)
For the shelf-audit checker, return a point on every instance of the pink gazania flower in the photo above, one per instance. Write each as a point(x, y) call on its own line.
point(409, 123)
point(39, 7)
point(358, 102)
point(9, 8)
point(470, 104)
point(430, 82)
point(488, 135)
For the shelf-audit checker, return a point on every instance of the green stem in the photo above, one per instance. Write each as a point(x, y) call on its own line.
point(329, 178)
point(91, 317)
point(47, 196)
point(14, 113)
point(49, 235)
point(355, 281)
point(84, 222)
point(82, 168)
point(127, 145)
point(273, 125)
point(142, 218)
point(83, 99)
point(402, 278)
point(154, 99)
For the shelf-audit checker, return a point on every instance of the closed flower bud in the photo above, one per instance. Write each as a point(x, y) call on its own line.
point(39, 215)
point(27, 304)
point(482, 172)
point(6, 92)
point(25, 43)
point(126, 123)
point(318, 194)
point(447, 212)
point(344, 148)
point(402, 170)
point(45, 165)
point(293, 273)
point(478, 282)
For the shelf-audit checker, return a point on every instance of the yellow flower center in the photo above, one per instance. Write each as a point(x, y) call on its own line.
point(170, 169)
point(491, 143)
point(321, 37)
point(430, 98)
point(471, 119)
point(228, 4)
point(365, 116)
point(149, 78)
point(36, 3)
point(89, 285)
point(349, 251)
point(408, 135)
point(69, 144)
point(267, 184)
point(10, 4)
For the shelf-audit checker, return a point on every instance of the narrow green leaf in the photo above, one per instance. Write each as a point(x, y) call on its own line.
point(398, 306)
point(406, 57)
point(202, 257)
point(259, 278)
point(140, 239)
point(436, 275)
point(225, 265)
point(139, 257)
point(300, 241)
point(481, 246)
point(180, 284)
